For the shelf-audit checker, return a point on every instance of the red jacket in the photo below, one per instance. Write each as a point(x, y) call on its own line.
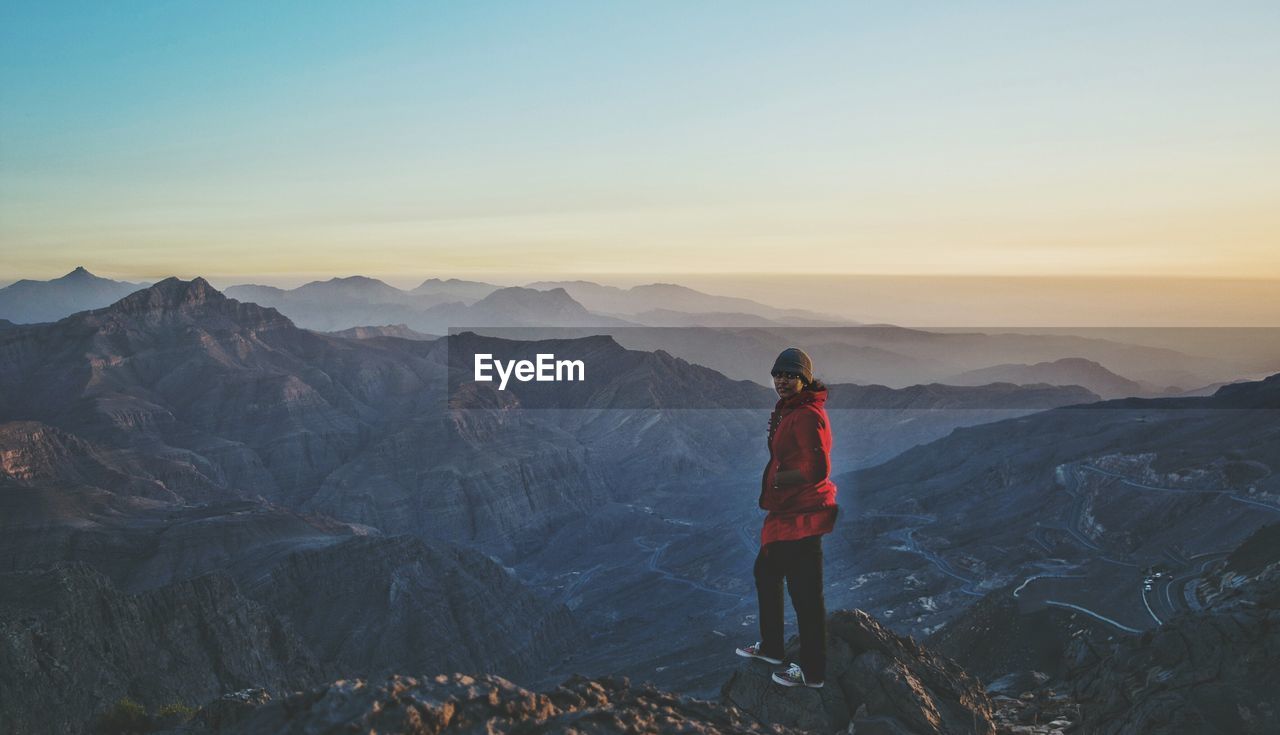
point(799, 439)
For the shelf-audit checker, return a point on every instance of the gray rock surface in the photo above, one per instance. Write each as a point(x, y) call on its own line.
point(876, 680)
point(71, 645)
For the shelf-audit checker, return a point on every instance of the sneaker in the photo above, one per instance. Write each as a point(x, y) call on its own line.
point(753, 651)
point(794, 677)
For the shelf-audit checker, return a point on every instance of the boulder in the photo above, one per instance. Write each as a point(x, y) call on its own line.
point(876, 680)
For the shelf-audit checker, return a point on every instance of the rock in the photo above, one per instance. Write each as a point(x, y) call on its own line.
point(898, 684)
point(461, 703)
point(1041, 710)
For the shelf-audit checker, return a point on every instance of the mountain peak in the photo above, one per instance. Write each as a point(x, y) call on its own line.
point(666, 288)
point(171, 293)
point(349, 281)
point(527, 297)
point(79, 275)
point(351, 286)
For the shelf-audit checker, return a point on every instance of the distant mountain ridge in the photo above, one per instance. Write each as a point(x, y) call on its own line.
point(1064, 371)
point(456, 289)
point(434, 307)
point(28, 301)
point(399, 331)
point(898, 357)
point(673, 297)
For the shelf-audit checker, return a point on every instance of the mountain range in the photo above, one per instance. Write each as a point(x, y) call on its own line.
point(1065, 371)
point(351, 508)
point(732, 334)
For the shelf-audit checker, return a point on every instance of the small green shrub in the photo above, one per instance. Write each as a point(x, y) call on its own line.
point(124, 717)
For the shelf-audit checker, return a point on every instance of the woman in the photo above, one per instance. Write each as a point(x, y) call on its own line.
point(801, 499)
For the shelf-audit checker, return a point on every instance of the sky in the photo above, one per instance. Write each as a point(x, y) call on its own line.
point(283, 141)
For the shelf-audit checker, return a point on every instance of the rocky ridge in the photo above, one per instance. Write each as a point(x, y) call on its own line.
point(483, 704)
point(877, 682)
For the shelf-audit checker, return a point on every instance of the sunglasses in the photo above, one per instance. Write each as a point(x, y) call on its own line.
point(787, 376)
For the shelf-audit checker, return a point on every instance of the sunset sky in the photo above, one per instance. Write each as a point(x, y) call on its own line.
point(276, 142)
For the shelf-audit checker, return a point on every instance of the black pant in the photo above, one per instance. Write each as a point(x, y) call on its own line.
point(800, 564)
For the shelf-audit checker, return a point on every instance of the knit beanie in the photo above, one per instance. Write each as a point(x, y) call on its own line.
point(794, 360)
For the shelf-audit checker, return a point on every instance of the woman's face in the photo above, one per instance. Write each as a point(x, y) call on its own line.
point(787, 384)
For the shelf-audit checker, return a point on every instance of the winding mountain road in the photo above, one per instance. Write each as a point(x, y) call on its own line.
point(653, 566)
point(1176, 592)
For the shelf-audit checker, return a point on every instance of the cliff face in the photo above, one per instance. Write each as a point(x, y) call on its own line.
point(1210, 671)
point(877, 683)
point(71, 645)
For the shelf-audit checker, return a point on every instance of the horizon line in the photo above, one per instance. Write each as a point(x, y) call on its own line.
point(585, 276)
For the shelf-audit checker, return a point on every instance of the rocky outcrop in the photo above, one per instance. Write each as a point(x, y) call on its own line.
point(487, 704)
point(71, 645)
point(878, 681)
point(1041, 711)
point(1212, 671)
